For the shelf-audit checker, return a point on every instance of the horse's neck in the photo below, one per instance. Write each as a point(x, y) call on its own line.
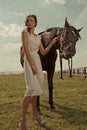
point(48, 36)
point(46, 39)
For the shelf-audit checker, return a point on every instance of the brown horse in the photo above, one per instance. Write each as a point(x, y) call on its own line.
point(69, 35)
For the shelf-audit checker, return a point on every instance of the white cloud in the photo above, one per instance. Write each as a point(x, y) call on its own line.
point(10, 50)
point(58, 1)
point(9, 46)
point(77, 2)
point(10, 57)
point(47, 1)
point(10, 30)
point(81, 21)
point(82, 18)
point(54, 1)
point(10, 64)
point(18, 14)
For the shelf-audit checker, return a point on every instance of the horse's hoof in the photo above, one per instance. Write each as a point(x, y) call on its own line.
point(52, 108)
point(38, 109)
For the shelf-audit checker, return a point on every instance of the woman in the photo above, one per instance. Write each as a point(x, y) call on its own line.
point(34, 77)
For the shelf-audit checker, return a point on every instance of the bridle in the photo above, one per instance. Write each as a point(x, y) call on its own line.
point(62, 40)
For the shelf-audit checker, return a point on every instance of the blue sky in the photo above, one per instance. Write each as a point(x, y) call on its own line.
point(50, 13)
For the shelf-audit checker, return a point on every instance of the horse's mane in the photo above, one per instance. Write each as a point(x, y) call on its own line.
point(52, 28)
point(41, 33)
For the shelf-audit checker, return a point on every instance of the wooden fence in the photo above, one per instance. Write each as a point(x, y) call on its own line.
point(77, 71)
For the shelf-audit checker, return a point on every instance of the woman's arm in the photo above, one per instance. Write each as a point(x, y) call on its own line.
point(43, 50)
point(27, 52)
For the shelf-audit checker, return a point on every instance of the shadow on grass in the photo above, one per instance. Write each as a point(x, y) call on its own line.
point(70, 114)
point(47, 128)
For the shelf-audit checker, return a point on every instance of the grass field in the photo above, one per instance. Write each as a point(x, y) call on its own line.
point(70, 99)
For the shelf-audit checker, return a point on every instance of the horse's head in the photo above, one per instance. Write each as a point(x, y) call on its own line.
point(69, 36)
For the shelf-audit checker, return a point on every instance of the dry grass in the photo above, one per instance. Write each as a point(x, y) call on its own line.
point(70, 99)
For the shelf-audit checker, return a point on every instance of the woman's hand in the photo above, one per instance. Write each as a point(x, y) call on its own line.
point(55, 40)
point(43, 50)
point(34, 69)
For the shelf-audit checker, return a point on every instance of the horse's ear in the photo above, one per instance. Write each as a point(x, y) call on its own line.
point(79, 29)
point(66, 23)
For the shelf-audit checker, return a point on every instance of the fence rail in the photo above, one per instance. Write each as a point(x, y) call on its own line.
point(78, 71)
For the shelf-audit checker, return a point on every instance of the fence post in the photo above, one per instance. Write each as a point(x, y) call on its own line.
point(84, 72)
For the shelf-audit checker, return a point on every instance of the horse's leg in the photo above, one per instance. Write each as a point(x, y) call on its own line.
point(38, 103)
point(50, 87)
point(70, 67)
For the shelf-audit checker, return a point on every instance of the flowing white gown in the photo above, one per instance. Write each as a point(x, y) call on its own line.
point(35, 84)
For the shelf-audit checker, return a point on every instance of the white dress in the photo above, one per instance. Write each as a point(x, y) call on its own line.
point(35, 84)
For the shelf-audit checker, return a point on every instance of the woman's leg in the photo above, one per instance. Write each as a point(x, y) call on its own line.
point(36, 115)
point(26, 102)
point(25, 105)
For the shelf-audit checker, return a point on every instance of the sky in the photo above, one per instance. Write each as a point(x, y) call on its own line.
point(50, 13)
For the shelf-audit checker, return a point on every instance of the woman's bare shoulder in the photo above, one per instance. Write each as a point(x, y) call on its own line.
point(24, 32)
